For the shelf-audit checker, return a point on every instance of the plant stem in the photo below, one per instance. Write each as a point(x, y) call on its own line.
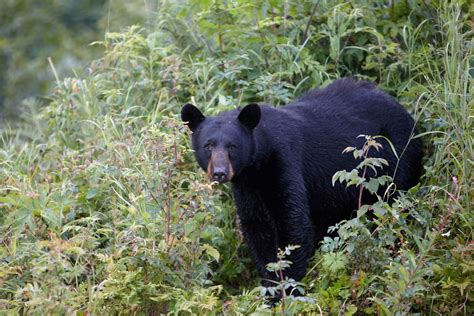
point(283, 294)
point(310, 19)
point(361, 186)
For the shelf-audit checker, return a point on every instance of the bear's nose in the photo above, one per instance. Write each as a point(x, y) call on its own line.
point(219, 175)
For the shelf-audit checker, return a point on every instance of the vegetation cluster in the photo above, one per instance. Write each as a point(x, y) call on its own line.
point(104, 211)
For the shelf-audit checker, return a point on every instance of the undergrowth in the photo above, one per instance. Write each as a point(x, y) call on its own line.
point(104, 211)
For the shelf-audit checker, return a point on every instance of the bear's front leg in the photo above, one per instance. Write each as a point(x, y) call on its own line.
point(294, 227)
point(259, 230)
point(262, 241)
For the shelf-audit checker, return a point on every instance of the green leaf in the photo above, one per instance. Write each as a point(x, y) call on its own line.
point(211, 251)
point(334, 262)
point(379, 209)
point(372, 186)
point(350, 310)
point(91, 193)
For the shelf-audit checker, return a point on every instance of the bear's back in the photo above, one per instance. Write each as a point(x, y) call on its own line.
point(316, 128)
point(349, 99)
point(344, 109)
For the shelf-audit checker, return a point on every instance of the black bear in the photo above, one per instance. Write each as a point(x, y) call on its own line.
point(280, 162)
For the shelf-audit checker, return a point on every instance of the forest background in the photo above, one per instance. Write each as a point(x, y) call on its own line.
point(103, 209)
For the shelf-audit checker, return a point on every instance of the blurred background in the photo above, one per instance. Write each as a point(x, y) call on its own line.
point(64, 30)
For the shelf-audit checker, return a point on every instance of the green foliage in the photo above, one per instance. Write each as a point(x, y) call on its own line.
point(104, 211)
point(285, 283)
point(358, 176)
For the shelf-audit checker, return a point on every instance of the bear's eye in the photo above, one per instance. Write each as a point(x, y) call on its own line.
point(231, 147)
point(208, 146)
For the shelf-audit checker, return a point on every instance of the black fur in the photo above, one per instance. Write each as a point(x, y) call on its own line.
point(283, 160)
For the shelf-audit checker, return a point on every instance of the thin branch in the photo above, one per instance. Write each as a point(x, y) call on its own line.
point(305, 34)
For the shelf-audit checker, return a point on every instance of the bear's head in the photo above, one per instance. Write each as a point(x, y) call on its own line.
point(223, 145)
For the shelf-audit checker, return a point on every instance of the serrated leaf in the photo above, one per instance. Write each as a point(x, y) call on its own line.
point(334, 262)
point(372, 185)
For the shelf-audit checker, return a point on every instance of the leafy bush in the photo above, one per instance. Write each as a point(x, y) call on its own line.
point(105, 211)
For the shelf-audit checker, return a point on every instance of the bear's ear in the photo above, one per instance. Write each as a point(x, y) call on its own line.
point(192, 116)
point(250, 116)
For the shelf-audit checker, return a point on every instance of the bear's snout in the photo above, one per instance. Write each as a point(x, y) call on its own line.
point(219, 175)
point(219, 168)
